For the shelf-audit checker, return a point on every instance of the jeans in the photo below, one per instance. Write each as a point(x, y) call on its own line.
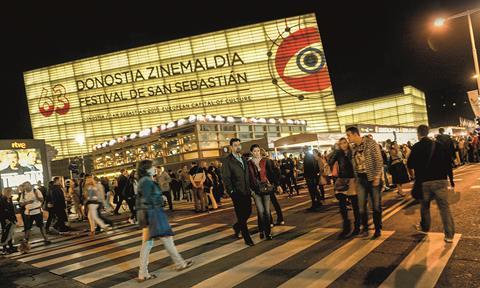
point(200, 199)
point(169, 246)
point(365, 189)
point(437, 189)
point(277, 207)
point(8, 231)
point(262, 203)
point(312, 189)
point(243, 209)
point(93, 217)
point(342, 204)
point(385, 176)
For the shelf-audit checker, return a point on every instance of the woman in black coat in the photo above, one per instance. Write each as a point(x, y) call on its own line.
point(345, 187)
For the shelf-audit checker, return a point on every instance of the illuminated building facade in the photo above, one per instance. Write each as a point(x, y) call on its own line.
point(186, 140)
point(273, 69)
point(401, 109)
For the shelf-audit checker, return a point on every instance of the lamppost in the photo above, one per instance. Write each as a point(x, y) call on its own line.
point(441, 21)
point(80, 139)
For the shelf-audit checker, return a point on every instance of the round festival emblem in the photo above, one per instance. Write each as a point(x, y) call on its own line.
point(299, 61)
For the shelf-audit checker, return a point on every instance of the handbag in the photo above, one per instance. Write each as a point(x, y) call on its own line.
point(264, 188)
point(158, 225)
point(417, 191)
point(341, 185)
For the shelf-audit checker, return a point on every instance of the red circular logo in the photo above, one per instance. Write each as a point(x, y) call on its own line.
point(309, 61)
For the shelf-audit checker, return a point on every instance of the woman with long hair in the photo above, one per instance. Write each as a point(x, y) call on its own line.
point(92, 196)
point(261, 178)
point(153, 221)
point(345, 187)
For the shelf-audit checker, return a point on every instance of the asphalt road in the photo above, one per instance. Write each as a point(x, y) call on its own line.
point(305, 251)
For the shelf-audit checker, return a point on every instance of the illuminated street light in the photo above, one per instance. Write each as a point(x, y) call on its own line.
point(475, 76)
point(439, 22)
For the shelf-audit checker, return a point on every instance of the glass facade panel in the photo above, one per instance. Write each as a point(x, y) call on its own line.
point(108, 96)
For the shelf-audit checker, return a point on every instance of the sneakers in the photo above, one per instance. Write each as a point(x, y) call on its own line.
point(187, 264)
point(131, 221)
point(419, 229)
point(448, 240)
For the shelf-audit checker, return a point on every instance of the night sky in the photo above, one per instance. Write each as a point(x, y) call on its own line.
point(372, 48)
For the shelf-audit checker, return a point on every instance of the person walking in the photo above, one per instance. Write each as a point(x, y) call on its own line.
point(174, 185)
point(431, 162)
point(59, 206)
point(324, 172)
point(368, 166)
point(32, 199)
point(278, 188)
point(311, 173)
point(75, 196)
point(91, 196)
point(163, 179)
point(396, 168)
point(197, 179)
point(153, 221)
point(262, 183)
point(8, 221)
point(221, 187)
point(287, 166)
point(122, 186)
point(345, 187)
point(186, 184)
point(237, 184)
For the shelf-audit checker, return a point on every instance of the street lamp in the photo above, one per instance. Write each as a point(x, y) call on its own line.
point(80, 139)
point(441, 21)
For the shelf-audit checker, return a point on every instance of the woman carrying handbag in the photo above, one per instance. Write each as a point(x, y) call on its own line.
point(345, 187)
point(153, 221)
point(260, 176)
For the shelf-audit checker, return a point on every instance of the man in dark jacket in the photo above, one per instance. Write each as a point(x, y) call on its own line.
point(287, 166)
point(447, 142)
point(59, 206)
point(123, 184)
point(237, 184)
point(432, 163)
point(310, 172)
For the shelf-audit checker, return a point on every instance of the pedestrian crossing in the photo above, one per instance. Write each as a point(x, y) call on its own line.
point(223, 261)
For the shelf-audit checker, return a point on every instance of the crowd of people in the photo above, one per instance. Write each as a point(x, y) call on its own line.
point(358, 168)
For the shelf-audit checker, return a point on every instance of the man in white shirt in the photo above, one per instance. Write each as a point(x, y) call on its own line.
point(32, 200)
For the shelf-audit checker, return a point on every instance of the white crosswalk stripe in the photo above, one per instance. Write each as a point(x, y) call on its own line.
point(120, 253)
point(112, 260)
point(250, 268)
point(340, 261)
point(201, 260)
point(423, 266)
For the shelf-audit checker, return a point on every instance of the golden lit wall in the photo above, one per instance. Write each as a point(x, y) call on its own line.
point(403, 109)
point(260, 70)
